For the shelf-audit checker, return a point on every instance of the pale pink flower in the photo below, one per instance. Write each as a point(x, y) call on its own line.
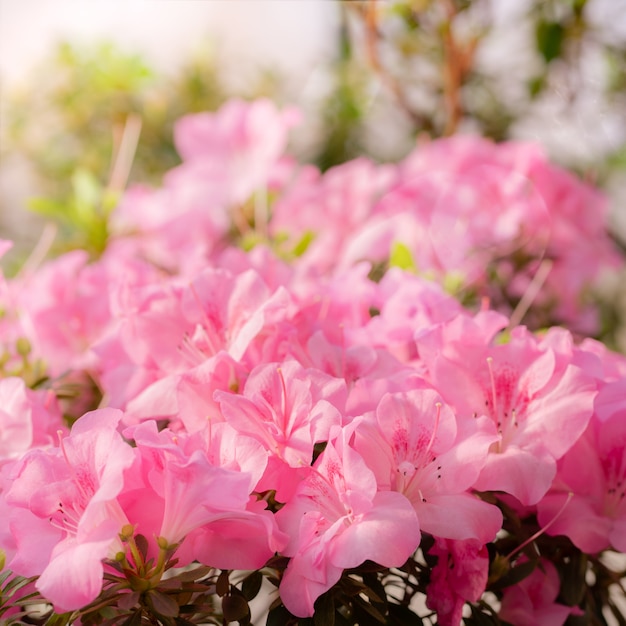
point(237, 146)
point(72, 521)
point(336, 520)
point(406, 304)
point(288, 409)
point(341, 199)
point(414, 445)
point(227, 156)
point(195, 490)
point(28, 419)
point(64, 308)
point(538, 401)
point(166, 330)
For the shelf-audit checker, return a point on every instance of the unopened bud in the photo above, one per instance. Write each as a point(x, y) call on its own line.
point(163, 543)
point(23, 347)
point(128, 530)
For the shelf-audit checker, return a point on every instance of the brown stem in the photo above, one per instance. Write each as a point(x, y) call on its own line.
point(373, 35)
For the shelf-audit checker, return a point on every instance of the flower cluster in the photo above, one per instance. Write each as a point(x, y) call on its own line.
point(316, 378)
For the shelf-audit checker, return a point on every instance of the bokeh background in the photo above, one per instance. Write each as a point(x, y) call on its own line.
point(79, 79)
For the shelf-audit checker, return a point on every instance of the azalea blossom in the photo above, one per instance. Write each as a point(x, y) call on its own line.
point(415, 446)
point(338, 519)
point(538, 402)
point(459, 576)
point(69, 497)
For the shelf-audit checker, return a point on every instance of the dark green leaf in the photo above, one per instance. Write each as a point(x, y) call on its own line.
point(549, 37)
point(133, 620)
point(363, 606)
point(573, 579)
point(162, 604)
point(536, 85)
point(251, 585)
point(235, 608)
point(514, 575)
point(223, 585)
point(402, 616)
point(127, 601)
point(478, 618)
point(324, 610)
point(193, 574)
point(280, 616)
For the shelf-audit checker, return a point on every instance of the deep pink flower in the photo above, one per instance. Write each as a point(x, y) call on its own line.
point(588, 498)
point(532, 601)
point(459, 576)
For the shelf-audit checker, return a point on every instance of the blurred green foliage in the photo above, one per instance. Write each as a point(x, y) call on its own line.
point(71, 128)
point(452, 66)
point(418, 62)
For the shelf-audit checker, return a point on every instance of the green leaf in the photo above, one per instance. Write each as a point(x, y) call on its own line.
point(366, 607)
point(573, 579)
point(193, 574)
point(47, 208)
point(549, 37)
point(305, 241)
point(127, 601)
point(402, 616)
point(4, 575)
point(536, 85)
point(400, 256)
point(87, 194)
point(478, 618)
point(515, 575)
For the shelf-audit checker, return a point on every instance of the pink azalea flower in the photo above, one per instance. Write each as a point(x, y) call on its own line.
point(167, 330)
point(337, 519)
point(532, 601)
point(414, 446)
point(538, 401)
point(73, 518)
point(28, 419)
point(195, 490)
point(288, 409)
point(237, 145)
point(227, 155)
point(64, 308)
point(588, 498)
point(341, 199)
point(406, 304)
point(459, 576)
